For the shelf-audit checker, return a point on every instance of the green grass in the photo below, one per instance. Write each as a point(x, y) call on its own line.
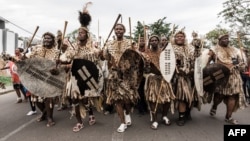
point(6, 80)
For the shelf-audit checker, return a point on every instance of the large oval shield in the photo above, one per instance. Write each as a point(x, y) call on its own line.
point(215, 75)
point(88, 78)
point(167, 63)
point(36, 77)
point(198, 75)
point(200, 63)
point(131, 67)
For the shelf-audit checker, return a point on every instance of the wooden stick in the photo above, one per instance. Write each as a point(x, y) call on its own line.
point(71, 44)
point(64, 30)
point(145, 34)
point(33, 36)
point(139, 41)
point(159, 94)
point(119, 16)
point(26, 49)
point(130, 34)
point(240, 45)
point(63, 35)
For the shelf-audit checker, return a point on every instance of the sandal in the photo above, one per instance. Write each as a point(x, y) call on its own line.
point(122, 128)
point(50, 123)
point(231, 121)
point(128, 119)
point(154, 125)
point(91, 120)
point(166, 121)
point(213, 112)
point(41, 118)
point(77, 127)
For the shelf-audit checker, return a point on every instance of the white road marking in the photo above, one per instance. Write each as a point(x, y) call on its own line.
point(17, 130)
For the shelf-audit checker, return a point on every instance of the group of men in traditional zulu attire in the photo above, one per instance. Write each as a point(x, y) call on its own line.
point(128, 67)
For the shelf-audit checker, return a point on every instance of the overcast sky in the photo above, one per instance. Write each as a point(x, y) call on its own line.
point(195, 15)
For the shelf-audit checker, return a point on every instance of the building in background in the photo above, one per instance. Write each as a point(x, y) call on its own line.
point(8, 39)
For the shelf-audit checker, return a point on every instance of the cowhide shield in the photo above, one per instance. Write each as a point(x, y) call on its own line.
point(167, 63)
point(35, 74)
point(87, 77)
point(215, 75)
point(199, 65)
point(130, 67)
point(198, 75)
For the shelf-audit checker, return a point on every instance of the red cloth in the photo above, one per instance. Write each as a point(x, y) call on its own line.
point(248, 71)
point(13, 72)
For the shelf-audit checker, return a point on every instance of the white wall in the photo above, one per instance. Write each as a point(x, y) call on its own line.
point(10, 44)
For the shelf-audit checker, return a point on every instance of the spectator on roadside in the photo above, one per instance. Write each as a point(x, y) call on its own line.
point(14, 76)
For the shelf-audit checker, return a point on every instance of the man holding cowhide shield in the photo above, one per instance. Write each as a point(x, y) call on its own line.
point(158, 91)
point(124, 72)
point(232, 91)
point(86, 78)
point(39, 75)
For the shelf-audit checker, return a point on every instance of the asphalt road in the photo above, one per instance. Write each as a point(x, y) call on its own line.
point(16, 126)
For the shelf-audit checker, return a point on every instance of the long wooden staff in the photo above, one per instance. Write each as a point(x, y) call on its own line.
point(158, 97)
point(119, 16)
point(26, 49)
point(63, 35)
point(33, 36)
point(130, 34)
point(139, 41)
point(145, 35)
point(171, 36)
point(64, 31)
point(71, 44)
point(240, 45)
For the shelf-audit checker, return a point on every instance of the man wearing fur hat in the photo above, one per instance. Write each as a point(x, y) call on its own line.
point(82, 49)
point(232, 93)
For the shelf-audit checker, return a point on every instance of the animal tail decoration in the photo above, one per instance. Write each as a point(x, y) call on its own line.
point(84, 16)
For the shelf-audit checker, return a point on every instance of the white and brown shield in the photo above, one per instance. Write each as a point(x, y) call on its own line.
point(167, 63)
point(36, 76)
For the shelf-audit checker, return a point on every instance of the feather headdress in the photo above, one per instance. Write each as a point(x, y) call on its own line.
point(84, 17)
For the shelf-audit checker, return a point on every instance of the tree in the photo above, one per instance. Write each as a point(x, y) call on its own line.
point(159, 28)
point(237, 14)
point(212, 36)
point(139, 30)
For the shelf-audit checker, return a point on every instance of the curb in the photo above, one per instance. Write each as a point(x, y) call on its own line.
point(8, 89)
point(5, 92)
